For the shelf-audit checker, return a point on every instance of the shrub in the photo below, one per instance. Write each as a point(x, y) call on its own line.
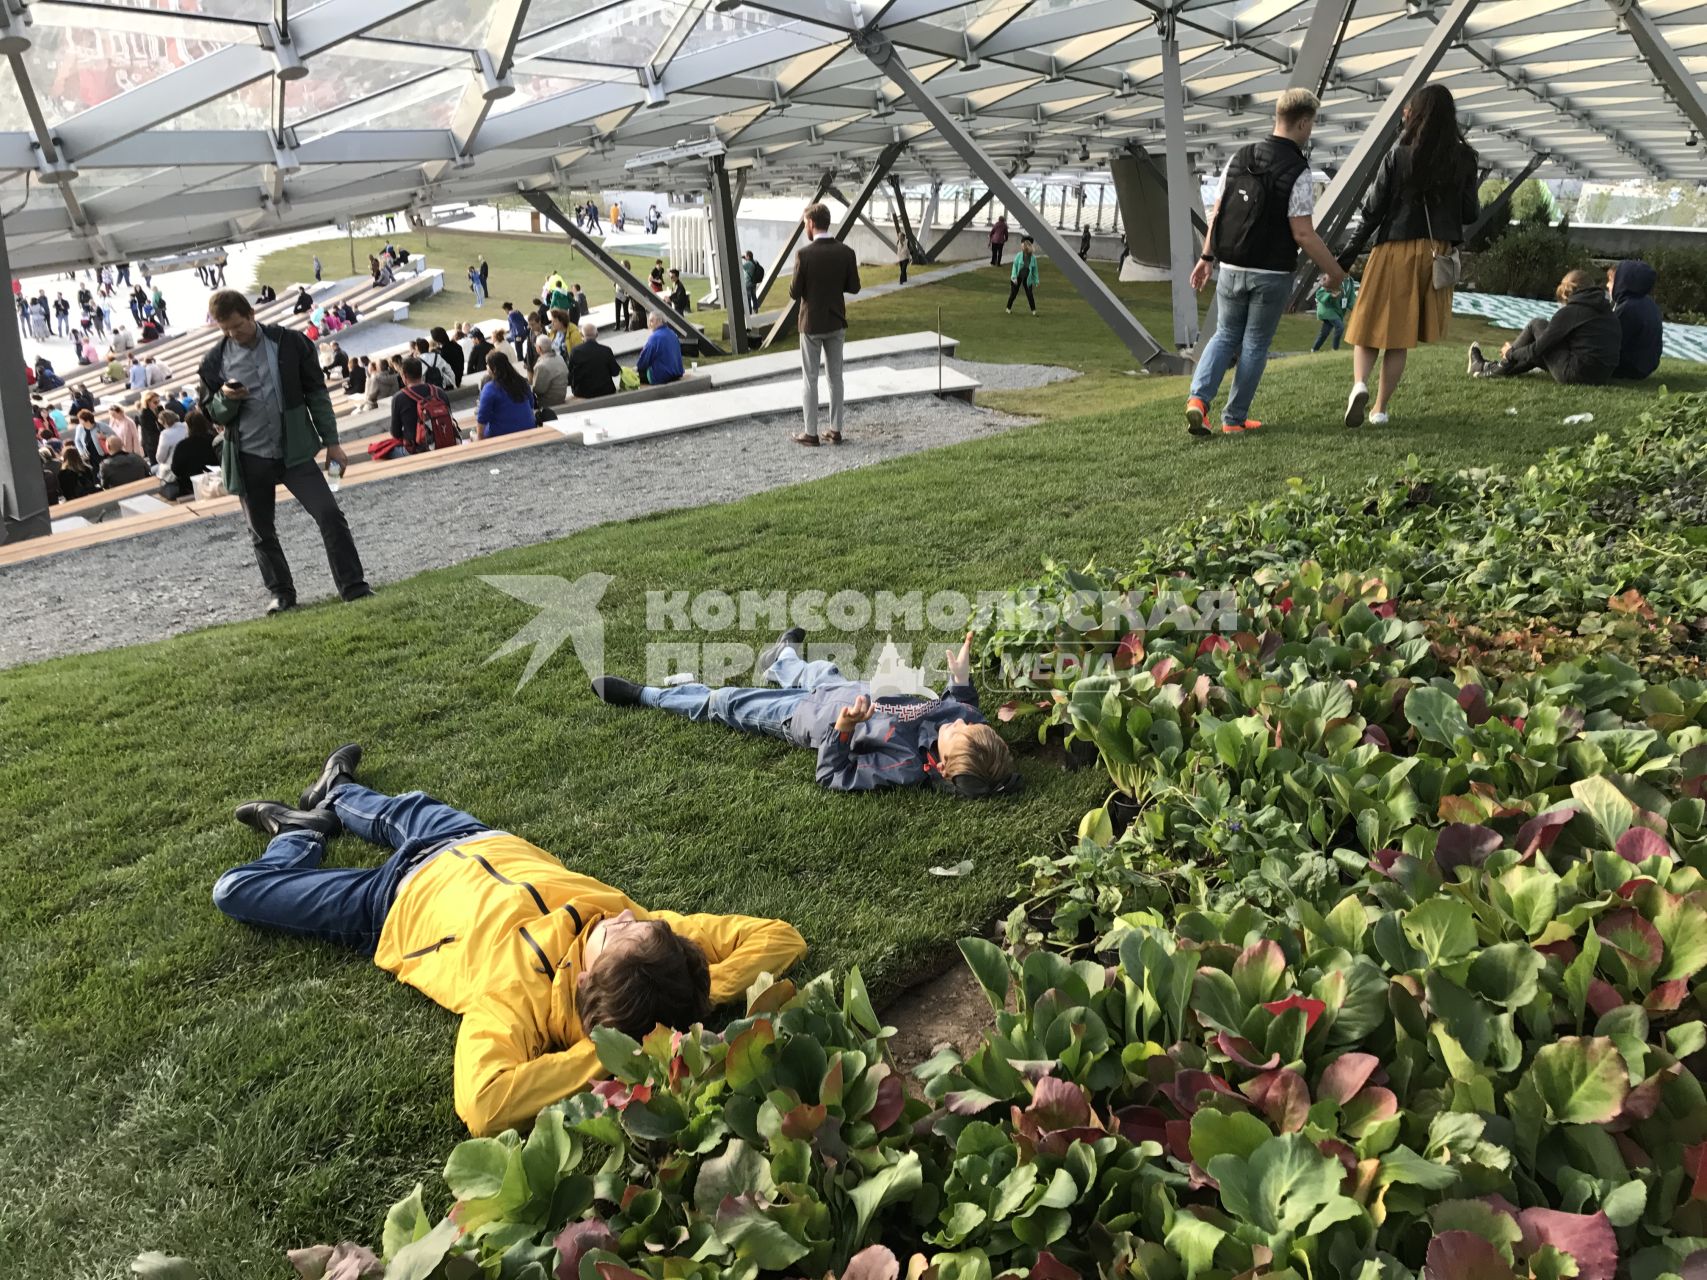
point(1681, 289)
point(1527, 262)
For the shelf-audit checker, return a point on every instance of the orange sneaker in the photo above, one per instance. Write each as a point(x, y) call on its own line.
point(1195, 412)
point(1239, 428)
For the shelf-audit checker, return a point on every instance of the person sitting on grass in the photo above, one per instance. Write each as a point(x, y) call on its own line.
point(1631, 285)
point(1579, 346)
point(531, 954)
point(862, 744)
point(660, 360)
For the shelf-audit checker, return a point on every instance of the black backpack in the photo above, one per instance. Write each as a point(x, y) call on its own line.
point(1251, 228)
point(758, 274)
point(433, 371)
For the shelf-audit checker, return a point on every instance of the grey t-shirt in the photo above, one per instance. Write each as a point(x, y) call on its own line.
point(260, 427)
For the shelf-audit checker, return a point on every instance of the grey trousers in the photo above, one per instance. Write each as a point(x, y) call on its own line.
point(826, 348)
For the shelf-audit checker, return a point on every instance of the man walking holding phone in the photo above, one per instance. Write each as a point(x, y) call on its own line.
point(263, 384)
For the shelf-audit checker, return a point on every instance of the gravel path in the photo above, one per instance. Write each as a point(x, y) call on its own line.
point(176, 580)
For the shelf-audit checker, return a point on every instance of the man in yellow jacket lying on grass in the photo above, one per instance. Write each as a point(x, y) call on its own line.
point(530, 953)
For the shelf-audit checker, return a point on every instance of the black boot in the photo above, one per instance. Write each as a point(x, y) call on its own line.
point(617, 691)
point(340, 767)
point(793, 638)
point(270, 817)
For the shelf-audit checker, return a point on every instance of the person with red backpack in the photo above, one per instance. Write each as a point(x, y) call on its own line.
point(420, 415)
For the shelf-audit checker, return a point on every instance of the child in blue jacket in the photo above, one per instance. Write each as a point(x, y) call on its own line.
point(862, 743)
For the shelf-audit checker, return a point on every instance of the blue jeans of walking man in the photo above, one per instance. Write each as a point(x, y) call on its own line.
point(286, 888)
point(756, 710)
point(1250, 305)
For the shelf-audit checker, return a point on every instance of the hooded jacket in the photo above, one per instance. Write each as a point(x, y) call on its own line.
point(495, 929)
point(1638, 319)
point(1580, 344)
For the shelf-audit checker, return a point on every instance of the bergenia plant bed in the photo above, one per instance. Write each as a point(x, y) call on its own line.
point(1385, 960)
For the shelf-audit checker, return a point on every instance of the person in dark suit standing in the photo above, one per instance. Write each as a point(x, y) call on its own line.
point(825, 270)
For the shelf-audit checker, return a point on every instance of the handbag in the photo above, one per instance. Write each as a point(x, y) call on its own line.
point(1448, 267)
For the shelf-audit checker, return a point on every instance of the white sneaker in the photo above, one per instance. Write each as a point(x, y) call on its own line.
point(1377, 419)
point(1355, 406)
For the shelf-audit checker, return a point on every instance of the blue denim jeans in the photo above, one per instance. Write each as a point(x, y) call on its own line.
point(755, 710)
point(1250, 304)
point(287, 889)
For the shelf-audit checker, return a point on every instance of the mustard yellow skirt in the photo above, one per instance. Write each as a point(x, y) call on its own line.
point(1398, 306)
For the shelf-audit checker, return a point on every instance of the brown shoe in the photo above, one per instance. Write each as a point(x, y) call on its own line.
point(832, 437)
point(803, 438)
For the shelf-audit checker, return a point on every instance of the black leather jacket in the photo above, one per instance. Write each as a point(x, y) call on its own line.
point(1395, 210)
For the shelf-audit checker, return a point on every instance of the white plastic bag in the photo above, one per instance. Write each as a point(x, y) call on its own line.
point(208, 486)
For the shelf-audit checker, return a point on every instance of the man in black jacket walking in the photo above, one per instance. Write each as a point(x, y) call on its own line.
point(263, 384)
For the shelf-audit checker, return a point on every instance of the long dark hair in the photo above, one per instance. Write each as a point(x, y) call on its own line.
point(196, 424)
point(1431, 135)
point(504, 374)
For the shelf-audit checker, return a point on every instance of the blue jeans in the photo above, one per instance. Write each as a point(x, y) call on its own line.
point(1334, 329)
point(755, 710)
point(287, 889)
point(1250, 304)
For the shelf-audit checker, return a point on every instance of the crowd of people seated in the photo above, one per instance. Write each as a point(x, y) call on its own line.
point(168, 439)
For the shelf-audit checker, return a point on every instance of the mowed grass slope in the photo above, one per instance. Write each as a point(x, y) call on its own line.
point(173, 1080)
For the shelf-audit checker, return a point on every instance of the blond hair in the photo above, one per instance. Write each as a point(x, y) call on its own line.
point(1295, 105)
point(977, 750)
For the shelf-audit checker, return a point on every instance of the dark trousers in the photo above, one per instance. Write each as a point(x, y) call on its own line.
point(996, 253)
point(1013, 292)
point(622, 305)
point(1334, 329)
point(904, 264)
point(287, 889)
point(308, 486)
point(1521, 358)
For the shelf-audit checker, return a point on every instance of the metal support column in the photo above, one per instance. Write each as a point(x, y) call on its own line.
point(883, 55)
point(913, 249)
point(1663, 60)
point(1474, 235)
point(23, 492)
point(1321, 47)
point(782, 258)
point(1334, 210)
point(612, 270)
point(928, 219)
point(856, 208)
point(1182, 252)
point(727, 243)
point(883, 237)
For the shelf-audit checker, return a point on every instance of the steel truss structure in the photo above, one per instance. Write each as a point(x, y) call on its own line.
point(135, 128)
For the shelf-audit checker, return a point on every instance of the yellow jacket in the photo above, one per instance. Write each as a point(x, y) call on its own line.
point(494, 929)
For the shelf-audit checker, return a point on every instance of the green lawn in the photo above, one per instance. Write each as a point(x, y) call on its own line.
point(174, 1081)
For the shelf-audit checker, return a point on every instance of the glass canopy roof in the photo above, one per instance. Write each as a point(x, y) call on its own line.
point(136, 126)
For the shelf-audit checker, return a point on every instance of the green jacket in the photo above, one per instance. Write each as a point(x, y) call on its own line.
point(1024, 270)
point(309, 424)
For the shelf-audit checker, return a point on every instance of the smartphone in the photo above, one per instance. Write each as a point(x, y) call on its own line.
point(236, 385)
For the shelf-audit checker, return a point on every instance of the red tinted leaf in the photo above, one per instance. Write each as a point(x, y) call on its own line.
point(1186, 1087)
point(1384, 860)
point(1474, 700)
point(803, 1121)
point(1377, 735)
point(1179, 1140)
point(1282, 1096)
point(1638, 844)
point(1464, 1255)
point(1642, 1101)
point(1346, 1075)
point(1285, 606)
point(1464, 844)
point(1339, 1151)
point(1164, 670)
point(1634, 936)
point(1587, 1237)
point(1603, 997)
point(577, 1239)
point(1313, 1009)
point(1667, 997)
point(1058, 1104)
point(1244, 1053)
point(1212, 644)
point(1049, 1267)
point(1142, 1124)
point(1007, 711)
point(1564, 952)
point(1695, 1166)
point(891, 1100)
point(1130, 651)
point(1542, 830)
point(1369, 1108)
point(1386, 609)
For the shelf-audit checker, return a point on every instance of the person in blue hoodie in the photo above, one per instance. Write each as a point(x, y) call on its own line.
point(863, 743)
point(1631, 286)
point(660, 360)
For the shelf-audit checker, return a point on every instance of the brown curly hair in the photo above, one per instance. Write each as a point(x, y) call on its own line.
point(660, 977)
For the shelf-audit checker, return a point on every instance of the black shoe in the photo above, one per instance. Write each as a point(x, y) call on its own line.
point(360, 593)
point(270, 817)
point(617, 691)
point(278, 604)
point(793, 638)
point(340, 767)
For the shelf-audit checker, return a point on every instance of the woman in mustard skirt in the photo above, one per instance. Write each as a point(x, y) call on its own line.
point(1423, 198)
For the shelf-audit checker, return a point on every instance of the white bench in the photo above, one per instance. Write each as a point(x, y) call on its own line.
point(641, 422)
point(142, 505)
point(784, 364)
